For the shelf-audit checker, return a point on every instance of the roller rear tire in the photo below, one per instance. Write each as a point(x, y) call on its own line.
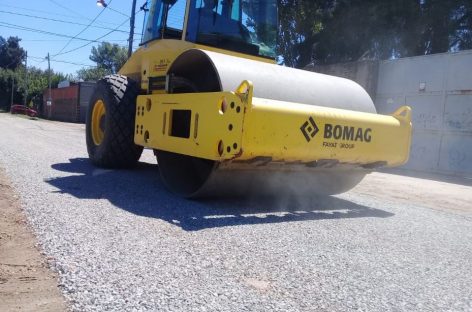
point(110, 123)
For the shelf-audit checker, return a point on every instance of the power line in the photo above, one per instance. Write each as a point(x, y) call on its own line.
point(39, 60)
point(44, 40)
point(62, 40)
point(39, 11)
point(81, 17)
point(19, 27)
point(97, 40)
point(91, 41)
point(116, 11)
point(73, 63)
point(58, 20)
point(36, 57)
point(61, 61)
point(96, 17)
point(77, 14)
point(79, 64)
point(42, 59)
point(66, 8)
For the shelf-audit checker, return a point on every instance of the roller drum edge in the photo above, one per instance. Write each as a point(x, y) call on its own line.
point(212, 72)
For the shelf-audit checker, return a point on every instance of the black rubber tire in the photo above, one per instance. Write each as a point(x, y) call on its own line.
point(117, 150)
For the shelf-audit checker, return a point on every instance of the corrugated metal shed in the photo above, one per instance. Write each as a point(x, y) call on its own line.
point(85, 92)
point(69, 103)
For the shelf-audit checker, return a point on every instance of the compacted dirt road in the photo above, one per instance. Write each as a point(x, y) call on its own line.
point(119, 241)
point(26, 282)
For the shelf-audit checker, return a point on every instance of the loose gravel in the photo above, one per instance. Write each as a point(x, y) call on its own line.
point(121, 242)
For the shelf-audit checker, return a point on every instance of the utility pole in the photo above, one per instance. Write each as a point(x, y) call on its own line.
point(131, 29)
point(26, 78)
point(49, 76)
point(49, 100)
point(12, 89)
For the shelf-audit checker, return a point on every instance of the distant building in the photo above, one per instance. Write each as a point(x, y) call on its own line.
point(64, 84)
point(68, 103)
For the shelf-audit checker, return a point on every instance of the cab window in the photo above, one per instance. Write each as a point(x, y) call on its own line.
point(238, 25)
point(165, 20)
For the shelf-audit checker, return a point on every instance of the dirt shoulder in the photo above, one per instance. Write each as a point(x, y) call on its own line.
point(26, 283)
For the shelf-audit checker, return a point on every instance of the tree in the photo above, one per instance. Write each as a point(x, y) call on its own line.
point(300, 22)
point(13, 72)
point(347, 30)
point(92, 73)
point(11, 54)
point(356, 29)
point(110, 57)
point(6, 78)
point(37, 83)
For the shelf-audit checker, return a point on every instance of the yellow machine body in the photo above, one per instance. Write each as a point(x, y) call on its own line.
point(236, 134)
point(240, 123)
point(203, 91)
point(279, 130)
point(235, 126)
point(155, 58)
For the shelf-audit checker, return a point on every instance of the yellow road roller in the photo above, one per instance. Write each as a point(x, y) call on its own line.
point(205, 93)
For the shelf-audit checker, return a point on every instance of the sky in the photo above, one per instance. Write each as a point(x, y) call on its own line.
point(67, 29)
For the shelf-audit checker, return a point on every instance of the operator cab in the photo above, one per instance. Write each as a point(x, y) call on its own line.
point(243, 26)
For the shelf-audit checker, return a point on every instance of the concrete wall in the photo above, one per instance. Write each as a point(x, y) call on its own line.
point(439, 90)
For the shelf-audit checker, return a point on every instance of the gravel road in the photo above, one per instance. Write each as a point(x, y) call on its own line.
point(121, 242)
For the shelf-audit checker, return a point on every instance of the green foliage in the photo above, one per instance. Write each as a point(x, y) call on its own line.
point(58, 77)
point(37, 82)
point(347, 30)
point(110, 57)
point(6, 79)
point(300, 22)
point(92, 73)
point(11, 54)
point(13, 73)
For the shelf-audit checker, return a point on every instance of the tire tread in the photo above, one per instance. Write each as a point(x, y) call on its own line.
point(117, 149)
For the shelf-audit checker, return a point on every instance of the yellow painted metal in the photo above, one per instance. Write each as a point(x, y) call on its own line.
point(98, 114)
point(205, 125)
point(290, 132)
point(155, 58)
point(277, 131)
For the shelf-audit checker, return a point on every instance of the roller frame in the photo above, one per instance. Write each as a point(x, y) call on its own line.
point(272, 133)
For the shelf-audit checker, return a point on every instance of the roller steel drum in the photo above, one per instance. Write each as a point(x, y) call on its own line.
point(210, 72)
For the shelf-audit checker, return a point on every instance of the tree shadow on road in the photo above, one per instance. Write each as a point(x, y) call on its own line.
point(141, 192)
